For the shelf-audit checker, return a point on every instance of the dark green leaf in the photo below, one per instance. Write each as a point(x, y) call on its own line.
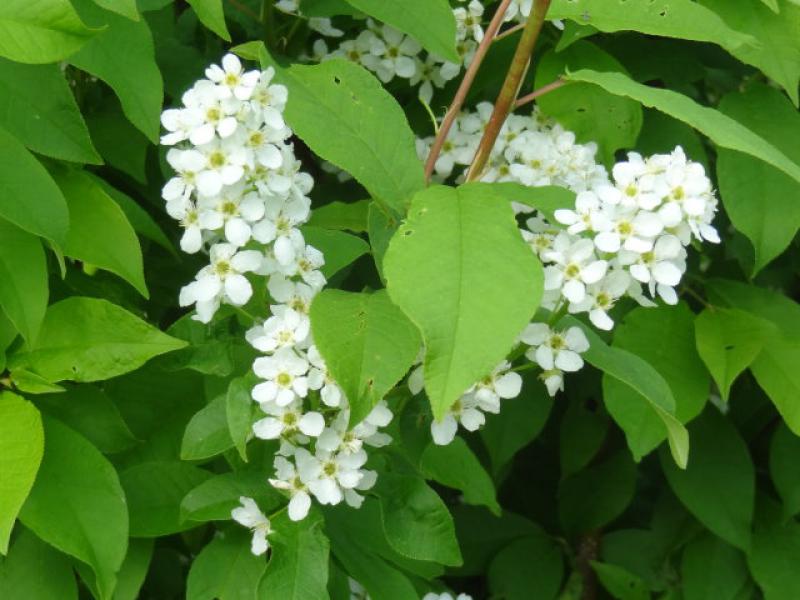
point(530, 567)
point(36, 571)
point(215, 497)
point(207, 433)
point(784, 453)
point(340, 215)
point(712, 570)
point(211, 15)
point(340, 249)
point(225, 569)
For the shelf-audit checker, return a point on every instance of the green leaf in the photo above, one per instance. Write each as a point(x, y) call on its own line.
point(210, 349)
point(723, 131)
point(416, 521)
point(771, 222)
point(530, 567)
point(661, 133)
point(777, 52)
point(344, 115)
point(99, 232)
point(123, 56)
point(430, 22)
point(89, 339)
point(775, 552)
point(206, 434)
point(728, 341)
point(126, 8)
point(381, 226)
point(340, 249)
point(23, 269)
point(784, 452)
point(583, 430)
point(676, 360)
point(31, 383)
point(214, 499)
point(340, 215)
point(211, 15)
point(77, 504)
point(90, 412)
point(225, 569)
point(712, 570)
point(36, 571)
point(681, 19)
point(718, 485)
point(547, 199)
point(298, 569)
point(367, 342)
point(597, 495)
point(519, 422)
point(620, 583)
point(459, 268)
point(239, 413)
point(29, 197)
point(121, 145)
point(155, 490)
point(21, 447)
point(38, 108)
point(772, 306)
point(456, 466)
point(594, 115)
point(44, 31)
point(640, 376)
point(134, 569)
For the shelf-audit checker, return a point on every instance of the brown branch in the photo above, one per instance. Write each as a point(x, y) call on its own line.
point(510, 90)
point(540, 92)
point(509, 31)
point(463, 88)
point(588, 550)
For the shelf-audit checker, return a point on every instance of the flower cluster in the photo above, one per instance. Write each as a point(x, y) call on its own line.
point(241, 197)
point(626, 235)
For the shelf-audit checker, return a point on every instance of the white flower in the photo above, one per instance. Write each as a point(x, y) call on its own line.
point(180, 123)
point(555, 349)
point(177, 191)
point(286, 328)
point(232, 79)
point(445, 596)
point(661, 269)
point(234, 211)
point(295, 294)
point(249, 515)
point(287, 421)
point(553, 380)
point(500, 383)
point(367, 430)
point(392, 55)
point(225, 161)
point(573, 265)
point(324, 26)
point(285, 375)
point(288, 479)
point(326, 473)
point(468, 21)
point(601, 297)
point(216, 113)
point(320, 379)
point(586, 216)
point(466, 411)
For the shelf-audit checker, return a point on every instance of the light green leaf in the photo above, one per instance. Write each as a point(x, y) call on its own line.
point(344, 115)
point(225, 569)
point(40, 31)
point(416, 521)
point(723, 131)
point(547, 199)
point(214, 499)
point(29, 197)
point(761, 200)
point(21, 447)
point(90, 412)
point(767, 304)
point(681, 19)
point(212, 15)
point(784, 452)
point(530, 567)
point(155, 490)
point(729, 340)
point(712, 570)
point(340, 215)
point(641, 377)
point(77, 504)
point(430, 22)
point(206, 434)
point(89, 339)
point(36, 571)
point(642, 333)
point(367, 342)
point(134, 569)
point(38, 108)
point(239, 412)
point(620, 583)
point(381, 226)
point(775, 553)
point(594, 115)
point(99, 233)
point(298, 569)
point(459, 268)
point(123, 56)
point(23, 270)
point(718, 485)
point(126, 8)
point(777, 51)
point(598, 494)
point(340, 248)
point(456, 466)
point(31, 383)
point(772, 4)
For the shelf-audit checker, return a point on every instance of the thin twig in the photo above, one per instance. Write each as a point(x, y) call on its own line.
point(245, 9)
point(509, 31)
point(540, 92)
point(510, 90)
point(463, 88)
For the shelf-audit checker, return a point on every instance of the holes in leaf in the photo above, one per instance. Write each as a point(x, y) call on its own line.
point(407, 232)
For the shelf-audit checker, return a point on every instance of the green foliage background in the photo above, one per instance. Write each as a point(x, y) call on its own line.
point(124, 424)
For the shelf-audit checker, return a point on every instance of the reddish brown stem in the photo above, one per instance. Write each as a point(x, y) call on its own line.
point(540, 92)
point(509, 31)
point(464, 87)
point(510, 90)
